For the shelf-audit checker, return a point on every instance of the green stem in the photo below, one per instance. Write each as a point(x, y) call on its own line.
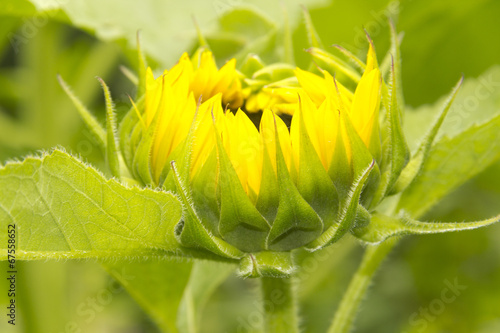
point(344, 317)
point(279, 306)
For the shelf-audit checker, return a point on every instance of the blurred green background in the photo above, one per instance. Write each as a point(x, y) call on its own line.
point(84, 39)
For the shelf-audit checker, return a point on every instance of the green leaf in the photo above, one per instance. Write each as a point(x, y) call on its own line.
point(451, 162)
point(477, 102)
point(63, 208)
point(463, 35)
point(204, 280)
point(156, 285)
point(382, 227)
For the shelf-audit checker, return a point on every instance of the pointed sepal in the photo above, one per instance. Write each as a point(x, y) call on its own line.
point(396, 147)
point(333, 63)
point(274, 72)
point(382, 227)
point(205, 193)
point(129, 125)
point(313, 182)
point(240, 223)
point(417, 161)
point(360, 157)
point(112, 157)
point(400, 153)
point(354, 59)
point(268, 199)
point(191, 233)
point(312, 35)
point(142, 154)
point(142, 66)
point(347, 216)
point(88, 118)
point(296, 223)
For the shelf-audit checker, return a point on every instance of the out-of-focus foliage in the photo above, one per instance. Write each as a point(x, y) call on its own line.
point(84, 39)
point(168, 28)
point(35, 113)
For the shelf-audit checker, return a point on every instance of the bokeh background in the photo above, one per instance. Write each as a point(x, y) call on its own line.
point(83, 39)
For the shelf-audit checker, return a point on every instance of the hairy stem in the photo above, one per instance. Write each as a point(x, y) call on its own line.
point(344, 317)
point(279, 306)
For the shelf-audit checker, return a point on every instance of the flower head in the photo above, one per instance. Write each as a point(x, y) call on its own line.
point(257, 187)
point(267, 159)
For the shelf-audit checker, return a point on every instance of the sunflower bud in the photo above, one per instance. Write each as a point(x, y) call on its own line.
point(251, 190)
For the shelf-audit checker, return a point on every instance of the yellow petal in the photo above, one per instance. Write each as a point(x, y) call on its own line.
point(175, 119)
point(371, 59)
point(310, 116)
point(201, 83)
point(341, 96)
point(204, 139)
point(366, 104)
point(268, 137)
point(153, 95)
point(312, 84)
